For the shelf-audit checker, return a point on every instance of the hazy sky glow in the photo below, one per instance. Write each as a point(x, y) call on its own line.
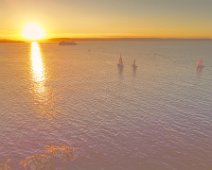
point(109, 18)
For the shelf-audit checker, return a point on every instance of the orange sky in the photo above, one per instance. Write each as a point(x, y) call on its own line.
point(109, 18)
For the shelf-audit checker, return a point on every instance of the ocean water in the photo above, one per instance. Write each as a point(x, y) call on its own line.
point(158, 116)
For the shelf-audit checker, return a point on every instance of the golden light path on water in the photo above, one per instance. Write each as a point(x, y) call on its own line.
point(38, 70)
point(43, 98)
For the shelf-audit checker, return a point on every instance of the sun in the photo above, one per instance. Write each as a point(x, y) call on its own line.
point(33, 32)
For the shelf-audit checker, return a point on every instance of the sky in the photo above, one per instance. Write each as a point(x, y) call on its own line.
point(109, 18)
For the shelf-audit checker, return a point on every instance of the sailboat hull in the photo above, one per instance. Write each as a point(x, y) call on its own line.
point(120, 65)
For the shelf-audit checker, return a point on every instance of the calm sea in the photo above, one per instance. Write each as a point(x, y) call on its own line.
point(155, 117)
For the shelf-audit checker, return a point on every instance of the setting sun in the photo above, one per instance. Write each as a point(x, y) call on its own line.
point(33, 32)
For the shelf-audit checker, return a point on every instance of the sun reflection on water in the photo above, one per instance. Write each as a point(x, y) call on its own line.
point(37, 63)
point(42, 94)
point(38, 70)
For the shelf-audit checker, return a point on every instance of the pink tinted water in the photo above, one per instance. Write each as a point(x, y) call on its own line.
point(155, 117)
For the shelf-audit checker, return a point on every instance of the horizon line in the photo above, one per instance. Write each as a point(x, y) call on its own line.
point(100, 38)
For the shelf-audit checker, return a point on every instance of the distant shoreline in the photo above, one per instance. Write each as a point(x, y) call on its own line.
point(56, 40)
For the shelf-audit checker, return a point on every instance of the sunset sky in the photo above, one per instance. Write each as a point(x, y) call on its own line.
point(109, 18)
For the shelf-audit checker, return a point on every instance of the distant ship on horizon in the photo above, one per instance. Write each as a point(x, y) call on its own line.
point(67, 43)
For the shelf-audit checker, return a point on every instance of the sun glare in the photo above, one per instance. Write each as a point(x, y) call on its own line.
point(33, 32)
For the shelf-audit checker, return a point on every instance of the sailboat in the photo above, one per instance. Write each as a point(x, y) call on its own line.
point(120, 63)
point(199, 65)
point(134, 65)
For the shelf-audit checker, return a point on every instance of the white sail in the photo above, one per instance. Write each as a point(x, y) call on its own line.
point(120, 63)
